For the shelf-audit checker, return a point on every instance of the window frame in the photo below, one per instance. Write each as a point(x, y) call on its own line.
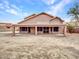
point(23, 28)
point(39, 28)
point(56, 29)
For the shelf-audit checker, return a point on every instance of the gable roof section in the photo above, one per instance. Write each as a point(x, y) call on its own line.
point(30, 16)
point(57, 18)
point(34, 15)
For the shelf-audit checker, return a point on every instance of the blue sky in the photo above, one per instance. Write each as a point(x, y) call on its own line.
point(15, 10)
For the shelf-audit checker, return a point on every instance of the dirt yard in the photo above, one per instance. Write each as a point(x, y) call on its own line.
point(24, 46)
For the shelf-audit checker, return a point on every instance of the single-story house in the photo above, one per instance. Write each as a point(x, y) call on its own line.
point(42, 23)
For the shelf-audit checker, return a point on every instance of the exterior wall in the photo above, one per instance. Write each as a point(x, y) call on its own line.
point(20, 31)
point(61, 28)
point(32, 30)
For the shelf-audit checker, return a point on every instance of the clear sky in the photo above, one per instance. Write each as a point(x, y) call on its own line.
point(15, 10)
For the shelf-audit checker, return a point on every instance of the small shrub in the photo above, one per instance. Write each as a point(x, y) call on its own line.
point(70, 28)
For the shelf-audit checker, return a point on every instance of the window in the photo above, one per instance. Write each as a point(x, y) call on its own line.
point(56, 29)
point(39, 29)
point(23, 28)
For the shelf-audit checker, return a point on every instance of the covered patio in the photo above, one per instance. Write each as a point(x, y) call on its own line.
point(39, 29)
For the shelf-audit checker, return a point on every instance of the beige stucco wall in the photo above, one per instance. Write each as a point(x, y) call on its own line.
point(61, 28)
point(32, 30)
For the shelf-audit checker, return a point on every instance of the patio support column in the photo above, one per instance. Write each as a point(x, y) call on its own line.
point(13, 30)
point(35, 30)
point(49, 30)
point(19, 30)
point(65, 30)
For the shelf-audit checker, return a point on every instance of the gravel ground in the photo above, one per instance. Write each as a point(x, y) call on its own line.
point(25, 46)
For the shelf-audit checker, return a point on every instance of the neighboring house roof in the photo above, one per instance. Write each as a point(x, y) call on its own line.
point(5, 24)
point(34, 15)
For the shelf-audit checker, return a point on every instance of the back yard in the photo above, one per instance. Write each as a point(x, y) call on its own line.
point(26, 46)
